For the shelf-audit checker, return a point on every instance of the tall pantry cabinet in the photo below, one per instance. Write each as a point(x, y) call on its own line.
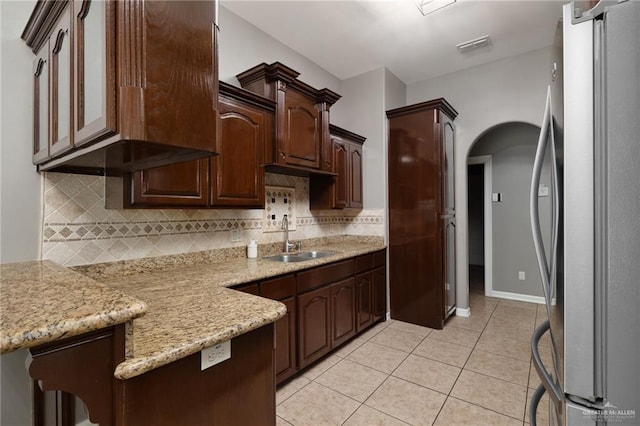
point(422, 213)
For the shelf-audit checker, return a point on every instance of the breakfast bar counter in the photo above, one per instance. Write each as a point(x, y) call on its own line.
point(133, 331)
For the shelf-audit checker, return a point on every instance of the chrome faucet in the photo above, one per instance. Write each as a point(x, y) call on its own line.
point(288, 245)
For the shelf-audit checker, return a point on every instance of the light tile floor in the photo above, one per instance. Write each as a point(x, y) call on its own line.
point(476, 371)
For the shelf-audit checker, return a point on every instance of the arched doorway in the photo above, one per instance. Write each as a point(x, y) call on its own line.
point(501, 258)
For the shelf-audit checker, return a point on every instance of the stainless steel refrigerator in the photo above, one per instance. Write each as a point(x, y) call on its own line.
point(591, 269)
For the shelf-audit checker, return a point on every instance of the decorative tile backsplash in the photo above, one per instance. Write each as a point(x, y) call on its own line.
point(78, 229)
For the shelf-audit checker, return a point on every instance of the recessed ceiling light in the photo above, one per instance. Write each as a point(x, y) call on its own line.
point(474, 44)
point(429, 6)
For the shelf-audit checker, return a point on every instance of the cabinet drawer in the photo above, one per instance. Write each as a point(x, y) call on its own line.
point(379, 258)
point(278, 288)
point(319, 276)
point(364, 263)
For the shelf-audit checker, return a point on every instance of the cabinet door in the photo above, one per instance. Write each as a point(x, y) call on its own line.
point(176, 185)
point(314, 325)
point(301, 131)
point(60, 51)
point(94, 65)
point(341, 167)
point(41, 105)
point(286, 342)
point(364, 300)
point(355, 176)
point(449, 167)
point(238, 177)
point(379, 293)
point(450, 266)
point(343, 304)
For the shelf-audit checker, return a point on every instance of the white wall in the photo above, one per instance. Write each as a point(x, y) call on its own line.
point(20, 191)
point(508, 90)
point(361, 110)
point(243, 46)
point(20, 184)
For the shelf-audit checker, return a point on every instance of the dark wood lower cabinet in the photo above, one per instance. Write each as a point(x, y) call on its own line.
point(379, 293)
point(286, 342)
point(364, 300)
point(179, 393)
point(314, 325)
point(238, 391)
point(82, 366)
point(343, 324)
point(326, 306)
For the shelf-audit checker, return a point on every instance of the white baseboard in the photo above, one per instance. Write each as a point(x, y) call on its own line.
point(516, 296)
point(461, 312)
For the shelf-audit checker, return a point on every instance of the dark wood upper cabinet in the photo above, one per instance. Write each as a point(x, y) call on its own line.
point(420, 158)
point(246, 128)
point(355, 176)
point(235, 178)
point(61, 85)
point(40, 74)
point(132, 84)
point(175, 185)
point(94, 73)
point(344, 190)
point(302, 144)
point(340, 184)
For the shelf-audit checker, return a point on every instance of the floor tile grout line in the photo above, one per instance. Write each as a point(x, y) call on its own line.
point(436, 360)
point(486, 375)
point(289, 397)
point(484, 408)
point(341, 358)
point(373, 368)
point(412, 352)
point(470, 353)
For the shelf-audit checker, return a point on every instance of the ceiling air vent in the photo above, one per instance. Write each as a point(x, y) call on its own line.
point(427, 7)
point(474, 44)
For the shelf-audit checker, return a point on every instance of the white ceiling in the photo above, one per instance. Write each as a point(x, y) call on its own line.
point(348, 38)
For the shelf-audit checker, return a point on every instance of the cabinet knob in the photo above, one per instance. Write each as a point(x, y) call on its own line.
point(282, 155)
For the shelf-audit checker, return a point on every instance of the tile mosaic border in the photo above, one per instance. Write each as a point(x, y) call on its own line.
point(60, 232)
point(57, 232)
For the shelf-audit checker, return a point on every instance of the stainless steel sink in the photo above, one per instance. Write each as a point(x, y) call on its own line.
point(315, 254)
point(287, 258)
point(299, 257)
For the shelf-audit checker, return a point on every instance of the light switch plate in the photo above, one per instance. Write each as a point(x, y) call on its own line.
point(215, 354)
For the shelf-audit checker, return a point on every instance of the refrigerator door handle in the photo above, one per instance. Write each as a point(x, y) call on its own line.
point(553, 389)
point(547, 272)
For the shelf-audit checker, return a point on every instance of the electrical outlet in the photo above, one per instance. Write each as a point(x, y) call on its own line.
point(521, 275)
point(215, 354)
point(236, 235)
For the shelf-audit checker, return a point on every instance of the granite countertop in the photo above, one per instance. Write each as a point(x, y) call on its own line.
point(41, 302)
point(190, 306)
point(184, 298)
